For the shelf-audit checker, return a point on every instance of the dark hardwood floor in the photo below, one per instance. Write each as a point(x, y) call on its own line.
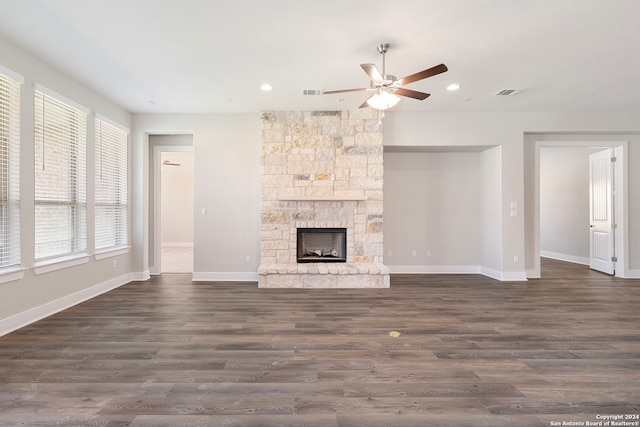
point(472, 351)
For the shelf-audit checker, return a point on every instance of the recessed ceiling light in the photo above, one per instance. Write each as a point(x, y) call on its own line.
point(266, 87)
point(453, 86)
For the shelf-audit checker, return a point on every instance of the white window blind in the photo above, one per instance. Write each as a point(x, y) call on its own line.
point(9, 171)
point(111, 204)
point(60, 178)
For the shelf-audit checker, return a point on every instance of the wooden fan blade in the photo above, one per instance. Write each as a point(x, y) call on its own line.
point(373, 72)
point(412, 93)
point(438, 69)
point(328, 92)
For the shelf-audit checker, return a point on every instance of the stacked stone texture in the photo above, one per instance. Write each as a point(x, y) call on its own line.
point(322, 169)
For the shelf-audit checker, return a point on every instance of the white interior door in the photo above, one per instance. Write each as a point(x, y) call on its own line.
point(601, 212)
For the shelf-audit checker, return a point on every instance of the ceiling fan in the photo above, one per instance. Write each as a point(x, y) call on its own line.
point(387, 87)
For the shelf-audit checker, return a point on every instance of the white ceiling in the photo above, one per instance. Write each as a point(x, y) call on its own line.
point(207, 56)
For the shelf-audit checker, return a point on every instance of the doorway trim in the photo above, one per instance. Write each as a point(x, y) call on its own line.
point(156, 268)
point(620, 151)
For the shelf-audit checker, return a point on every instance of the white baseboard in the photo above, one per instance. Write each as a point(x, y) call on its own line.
point(225, 276)
point(140, 276)
point(177, 244)
point(505, 276)
point(434, 269)
point(633, 274)
point(533, 274)
point(514, 276)
point(564, 257)
point(458, 269)
point(32, 315)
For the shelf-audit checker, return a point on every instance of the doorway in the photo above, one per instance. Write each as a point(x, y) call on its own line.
point(171, 204)
point(176, 211)
point(574, 232)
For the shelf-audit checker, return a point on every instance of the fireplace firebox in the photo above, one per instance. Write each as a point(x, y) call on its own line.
point(322, 245)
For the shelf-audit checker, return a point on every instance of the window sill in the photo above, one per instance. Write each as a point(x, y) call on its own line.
point(55, 264)
point(111, 253)
point(10, 274)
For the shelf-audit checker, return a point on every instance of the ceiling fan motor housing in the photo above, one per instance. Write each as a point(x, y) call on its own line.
point(383, 47)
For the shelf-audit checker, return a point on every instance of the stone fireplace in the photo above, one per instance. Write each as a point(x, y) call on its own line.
point(322, 170)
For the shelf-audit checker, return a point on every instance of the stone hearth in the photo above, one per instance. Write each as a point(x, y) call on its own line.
point(322, 169)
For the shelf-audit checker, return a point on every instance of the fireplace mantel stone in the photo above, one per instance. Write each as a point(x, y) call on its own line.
point(324, 275)
point(322, 169)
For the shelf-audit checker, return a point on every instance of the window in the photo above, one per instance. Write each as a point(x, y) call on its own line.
point(9, 171)
point(60, 177)
point(111, 185)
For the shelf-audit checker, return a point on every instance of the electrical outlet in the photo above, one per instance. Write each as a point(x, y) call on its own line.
point(414, 253)
point(115, 263)
point(428, 253)
point(247, 258)
point(515, 258)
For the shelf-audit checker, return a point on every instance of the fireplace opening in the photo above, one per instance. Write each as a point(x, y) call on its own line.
point(322, 245)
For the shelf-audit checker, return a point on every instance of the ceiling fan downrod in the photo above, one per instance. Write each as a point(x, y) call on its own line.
point(386, 79)
point(382, 48)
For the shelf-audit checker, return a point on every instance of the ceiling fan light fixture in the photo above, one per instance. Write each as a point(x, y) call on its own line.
point(383, 100)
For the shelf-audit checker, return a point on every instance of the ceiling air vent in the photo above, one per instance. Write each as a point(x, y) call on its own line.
point(508, 92)
point(312, 92)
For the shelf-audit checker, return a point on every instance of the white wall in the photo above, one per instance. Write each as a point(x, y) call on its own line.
point(34, 296)
point(432, 205)
point(227, 153)
point(491, 212)
point(227, 184)
point(475, 130)
point(564, 203)
point(516, 134)
point(446, 205)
